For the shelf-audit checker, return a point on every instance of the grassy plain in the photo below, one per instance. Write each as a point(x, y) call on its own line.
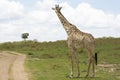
point(51, 60)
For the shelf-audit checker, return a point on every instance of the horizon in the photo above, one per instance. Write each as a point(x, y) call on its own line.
point(35, 40)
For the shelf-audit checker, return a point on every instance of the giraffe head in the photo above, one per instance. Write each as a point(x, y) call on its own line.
point(57, 8)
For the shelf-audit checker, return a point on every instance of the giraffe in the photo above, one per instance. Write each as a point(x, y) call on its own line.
point(77, 39)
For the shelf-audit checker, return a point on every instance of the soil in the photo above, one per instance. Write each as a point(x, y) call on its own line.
point(12, 66)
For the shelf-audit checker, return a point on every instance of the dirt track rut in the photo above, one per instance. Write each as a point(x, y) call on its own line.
point(12, 66)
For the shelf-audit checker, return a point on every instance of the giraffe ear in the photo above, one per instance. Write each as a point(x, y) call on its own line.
point(53, 8)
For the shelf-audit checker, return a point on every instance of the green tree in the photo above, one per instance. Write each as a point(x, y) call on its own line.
point(25, 36)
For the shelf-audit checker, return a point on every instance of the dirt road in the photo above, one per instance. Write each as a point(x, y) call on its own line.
point(12, 66)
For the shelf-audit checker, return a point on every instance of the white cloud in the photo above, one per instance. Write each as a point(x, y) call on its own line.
point(10, 9)
point(45, 5)
point(43, 24)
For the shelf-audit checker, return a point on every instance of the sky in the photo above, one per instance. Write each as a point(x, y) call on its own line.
point(101, 18)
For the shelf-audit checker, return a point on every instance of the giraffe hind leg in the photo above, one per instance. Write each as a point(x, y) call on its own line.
point(93, 66)
point(89, 64)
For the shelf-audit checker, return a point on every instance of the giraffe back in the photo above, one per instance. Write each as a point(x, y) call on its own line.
point(79, 39)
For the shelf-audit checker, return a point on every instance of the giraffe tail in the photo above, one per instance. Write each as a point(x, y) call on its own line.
point(96, 58)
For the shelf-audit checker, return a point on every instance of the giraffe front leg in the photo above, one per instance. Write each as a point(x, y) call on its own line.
point(77, 62)
point(72, 65)
point(71, 74)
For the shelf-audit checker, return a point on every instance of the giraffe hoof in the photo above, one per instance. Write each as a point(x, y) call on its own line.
point(86, 75)
point(71, 76)
point(78, 76)
point(93, 76)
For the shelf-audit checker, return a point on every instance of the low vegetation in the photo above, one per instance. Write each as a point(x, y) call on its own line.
point(51, 60)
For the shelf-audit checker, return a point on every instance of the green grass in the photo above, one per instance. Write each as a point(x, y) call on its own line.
point(51, 60)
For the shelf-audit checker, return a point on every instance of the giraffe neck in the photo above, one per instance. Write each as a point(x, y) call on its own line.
point(66, 24)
